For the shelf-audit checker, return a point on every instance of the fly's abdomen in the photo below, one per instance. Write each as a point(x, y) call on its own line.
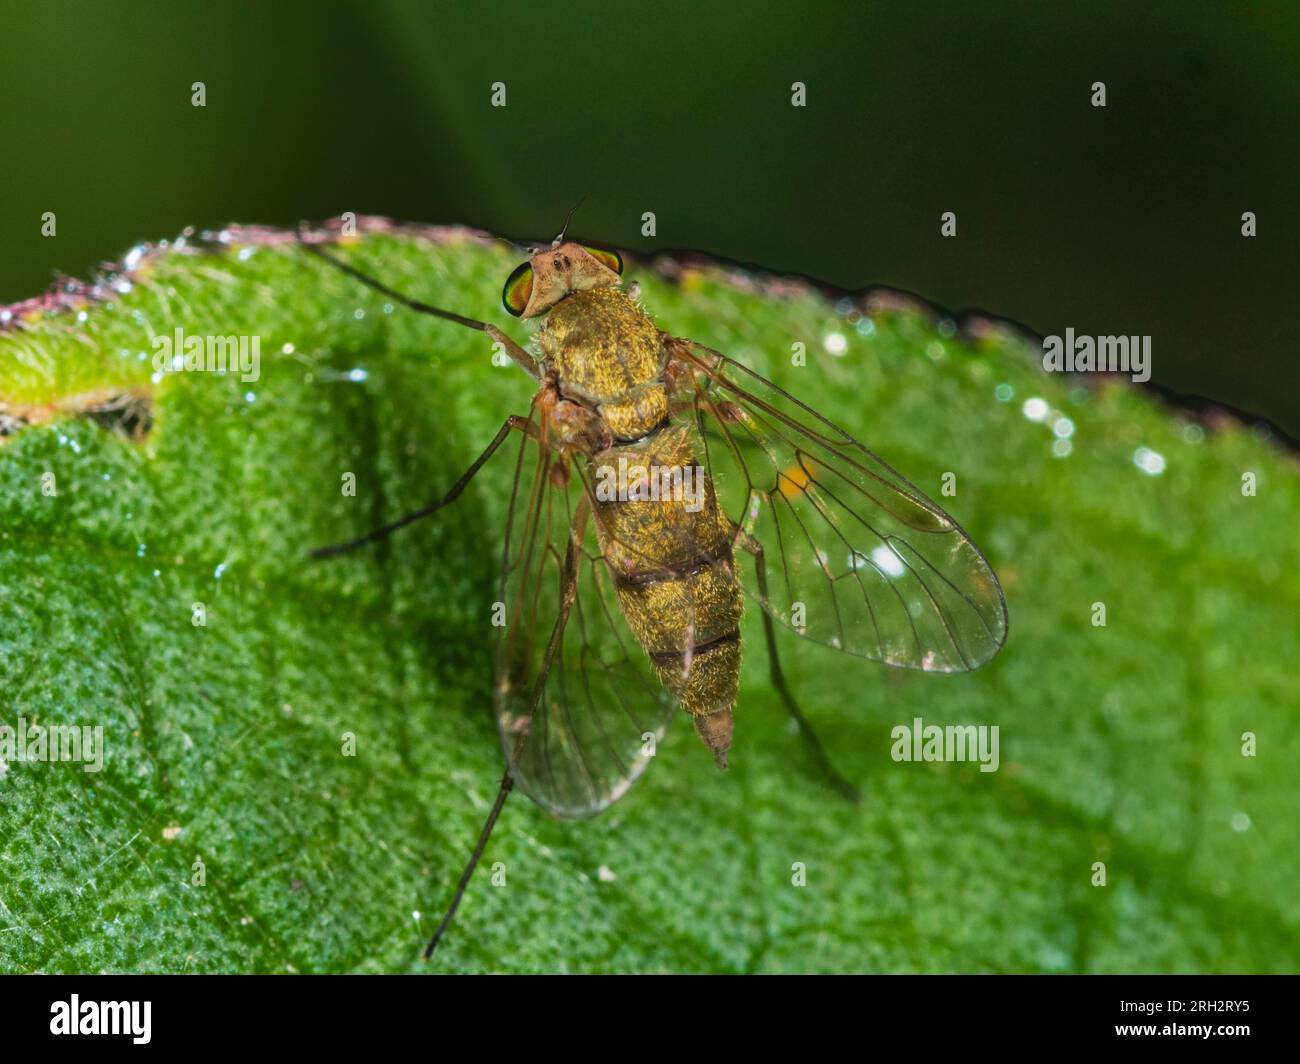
point(669, 550)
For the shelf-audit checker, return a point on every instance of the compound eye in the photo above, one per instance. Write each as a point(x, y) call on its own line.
point(612, 259)
point(518, 289)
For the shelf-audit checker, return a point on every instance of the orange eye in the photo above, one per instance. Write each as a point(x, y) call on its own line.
point(612, 259)
point(518, 290)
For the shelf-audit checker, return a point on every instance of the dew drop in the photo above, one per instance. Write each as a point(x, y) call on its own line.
point(1035, 409)
point(1152, 463)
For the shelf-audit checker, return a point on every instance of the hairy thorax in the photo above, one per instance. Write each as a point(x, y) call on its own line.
point(607, 354)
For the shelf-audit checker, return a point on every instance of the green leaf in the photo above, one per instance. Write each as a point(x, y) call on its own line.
point(224, 742)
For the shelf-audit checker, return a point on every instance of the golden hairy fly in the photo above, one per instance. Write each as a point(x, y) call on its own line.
point(648, 467)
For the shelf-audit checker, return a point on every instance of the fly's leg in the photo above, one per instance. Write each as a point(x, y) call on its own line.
point(529, 366)
point(568, 595)
point(833, 777)
point(507, 783)
point(521, 357)
point(514, 421)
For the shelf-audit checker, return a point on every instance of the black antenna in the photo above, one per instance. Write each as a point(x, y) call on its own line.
point(572, 211)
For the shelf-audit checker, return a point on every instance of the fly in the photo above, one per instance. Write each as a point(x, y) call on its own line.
point(658, 486)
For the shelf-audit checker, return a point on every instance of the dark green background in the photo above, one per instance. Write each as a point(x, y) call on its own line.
point(1122, 220)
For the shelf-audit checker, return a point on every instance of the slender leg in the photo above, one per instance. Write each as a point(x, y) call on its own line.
point(568, 593)
point(507, 782)
point(833, 776)
point(524, 360)
point(529, 365)
point(514, 421)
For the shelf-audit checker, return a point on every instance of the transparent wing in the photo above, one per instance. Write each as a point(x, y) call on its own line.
point(855, 556)
point(578, 705)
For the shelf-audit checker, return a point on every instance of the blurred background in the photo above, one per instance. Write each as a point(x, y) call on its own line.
point(1125, 219)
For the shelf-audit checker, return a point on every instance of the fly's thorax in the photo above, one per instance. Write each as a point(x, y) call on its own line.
point(607, 353)
point(638, 412)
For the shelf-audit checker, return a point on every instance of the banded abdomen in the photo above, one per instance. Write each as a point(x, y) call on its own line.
point(669, 549)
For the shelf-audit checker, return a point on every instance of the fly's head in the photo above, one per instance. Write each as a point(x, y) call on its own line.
point(559, 271)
